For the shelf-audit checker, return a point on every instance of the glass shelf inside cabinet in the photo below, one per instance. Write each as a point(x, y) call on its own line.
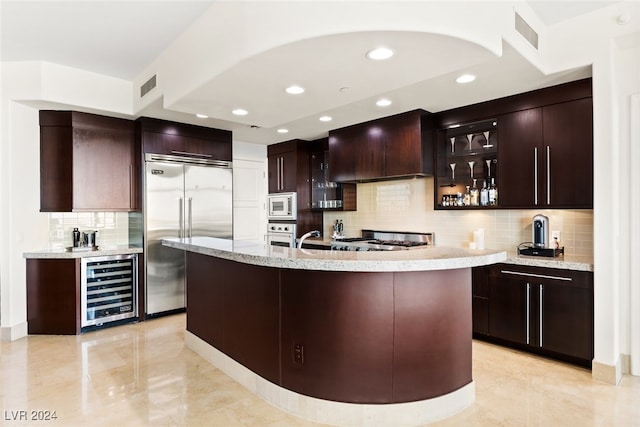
point(325, 194)
point(469, 158)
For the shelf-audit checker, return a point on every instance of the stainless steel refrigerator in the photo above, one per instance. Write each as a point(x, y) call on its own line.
point(184, 197)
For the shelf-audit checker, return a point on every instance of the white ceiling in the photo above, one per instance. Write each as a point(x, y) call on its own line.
point(121, 38)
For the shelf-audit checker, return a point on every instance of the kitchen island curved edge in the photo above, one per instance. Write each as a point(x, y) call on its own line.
point(337, 344)
point(426, 259)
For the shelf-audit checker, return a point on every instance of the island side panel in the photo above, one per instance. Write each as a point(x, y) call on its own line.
point(241, 299)
point(344, 320)
point(205, 298)
point(433, 327)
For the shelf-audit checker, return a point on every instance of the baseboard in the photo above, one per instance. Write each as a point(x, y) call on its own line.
point(625, 363)
point(611, 374)
point(15, 332)
point(336, 413)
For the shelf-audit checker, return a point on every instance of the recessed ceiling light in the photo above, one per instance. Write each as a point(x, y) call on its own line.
point(294, 90)
point(466, 78)
point(383, 102)
point(380, 53)
point(202, 116)
point(240, 112)
point(325, 119)
point(283, 130)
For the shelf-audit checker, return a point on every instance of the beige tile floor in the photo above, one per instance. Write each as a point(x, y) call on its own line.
point(141, 374)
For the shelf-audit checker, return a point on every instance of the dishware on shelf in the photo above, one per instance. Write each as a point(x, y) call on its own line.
point(470, 138)
point(453, 144)
point(486, 135)
point(453, 171)
point(471, 163)
point(488, 162)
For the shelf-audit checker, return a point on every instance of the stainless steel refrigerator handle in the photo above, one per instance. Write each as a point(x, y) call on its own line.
point(187, 153)
point(190, 205)
point(548, 175)
point(528, 308)
point(180, 218)
point(535, 176)
point(540, 313)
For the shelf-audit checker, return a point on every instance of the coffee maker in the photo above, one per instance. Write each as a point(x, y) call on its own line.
point(540, 244)
point(540, 231)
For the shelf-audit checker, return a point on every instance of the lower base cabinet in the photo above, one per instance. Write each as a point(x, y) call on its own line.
point(543, 310)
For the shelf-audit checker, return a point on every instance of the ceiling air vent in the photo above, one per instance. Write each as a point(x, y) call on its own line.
point(147, 86)
point(527, 32)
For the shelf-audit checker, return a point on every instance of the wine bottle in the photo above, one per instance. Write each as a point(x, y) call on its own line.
point(493, 193)
point(466, 200)
point(484, 194)
point(474, 194)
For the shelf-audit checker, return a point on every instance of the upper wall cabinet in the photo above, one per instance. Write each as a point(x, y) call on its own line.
point(180, 139)
point(393, 147)
point(538, 149)
point(546, 156)
point(287, 166)
point(88, 163)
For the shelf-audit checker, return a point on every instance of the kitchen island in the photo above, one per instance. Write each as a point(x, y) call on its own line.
point(375, 338)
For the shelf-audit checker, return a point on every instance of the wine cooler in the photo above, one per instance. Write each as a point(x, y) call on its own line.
point(108, 289)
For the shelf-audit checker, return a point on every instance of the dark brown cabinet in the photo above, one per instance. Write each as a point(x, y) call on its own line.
point(480, 299)
point(326, 194)
point(289, 171)
point(283, 167)
point(542, 149)
point(392, 147)
point(466, 163)
point(547, 311)
point(88, 163)
point(546, 156)
point(53, 296)
point(180, 139)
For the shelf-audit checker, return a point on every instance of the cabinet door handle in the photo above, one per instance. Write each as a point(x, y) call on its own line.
point(548, 175)
point(535, 176)
point(540, 276)
point(281, 185)
point(131, 204)
point(528, 311)
point(190, 216)
point(540, 311)
point(180, 218)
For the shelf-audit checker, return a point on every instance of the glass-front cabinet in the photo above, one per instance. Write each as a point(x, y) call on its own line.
point(467, 165)
point(325, 194)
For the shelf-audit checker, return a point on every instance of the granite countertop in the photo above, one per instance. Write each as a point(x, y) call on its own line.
point(431, 258)
point(564, 262)
point(61, 253)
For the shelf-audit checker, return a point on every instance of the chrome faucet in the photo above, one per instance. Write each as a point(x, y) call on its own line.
point(314, 233)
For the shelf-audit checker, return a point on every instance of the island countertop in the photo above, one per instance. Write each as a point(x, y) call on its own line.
point(425, 259)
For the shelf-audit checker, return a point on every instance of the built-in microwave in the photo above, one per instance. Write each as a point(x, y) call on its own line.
point(282, 206)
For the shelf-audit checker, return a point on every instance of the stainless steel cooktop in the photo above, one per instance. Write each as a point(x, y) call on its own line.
point(377, 240)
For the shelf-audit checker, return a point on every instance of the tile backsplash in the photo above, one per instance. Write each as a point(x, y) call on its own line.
point(407, 205)
point(112, 227)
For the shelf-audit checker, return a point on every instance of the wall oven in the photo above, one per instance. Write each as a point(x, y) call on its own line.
point(108, 289)
point(282, 206)
point(281, 234)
